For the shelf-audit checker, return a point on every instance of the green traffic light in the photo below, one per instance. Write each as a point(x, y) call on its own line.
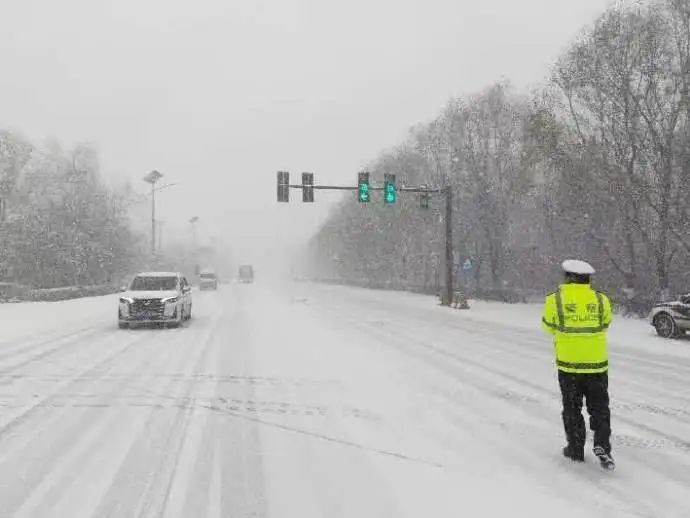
point(389, 190)
point(390, 193)
point(364, 192)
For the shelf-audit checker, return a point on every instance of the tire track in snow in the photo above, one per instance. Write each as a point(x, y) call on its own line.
point(159, 491)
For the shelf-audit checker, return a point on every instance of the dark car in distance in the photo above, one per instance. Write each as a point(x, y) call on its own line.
point(246, 274)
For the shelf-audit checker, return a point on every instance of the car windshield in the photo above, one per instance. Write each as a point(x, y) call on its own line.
point(154, 283)
point(246, 271)
point(208, 276)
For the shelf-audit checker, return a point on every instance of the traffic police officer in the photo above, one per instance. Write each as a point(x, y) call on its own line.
point(578, 318)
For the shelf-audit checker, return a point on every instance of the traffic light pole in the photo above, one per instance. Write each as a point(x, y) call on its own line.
point(449, 246)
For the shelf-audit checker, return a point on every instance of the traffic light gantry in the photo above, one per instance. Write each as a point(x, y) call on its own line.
point(364, 188)
point(390, 195)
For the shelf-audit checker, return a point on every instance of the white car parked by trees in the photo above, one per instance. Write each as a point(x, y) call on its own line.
point(671, 319)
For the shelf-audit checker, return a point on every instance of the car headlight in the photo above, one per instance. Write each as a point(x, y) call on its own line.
point(125, 300)
point(170, 300)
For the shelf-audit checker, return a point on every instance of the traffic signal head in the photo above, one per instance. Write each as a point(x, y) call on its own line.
point(389, 189)
point(363, 187)
point(308, 187)
point(283, 186)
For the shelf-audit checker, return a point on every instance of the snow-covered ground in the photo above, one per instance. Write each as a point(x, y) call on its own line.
point(316, 401)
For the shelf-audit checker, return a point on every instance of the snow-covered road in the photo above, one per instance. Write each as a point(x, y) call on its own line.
point(314, 401)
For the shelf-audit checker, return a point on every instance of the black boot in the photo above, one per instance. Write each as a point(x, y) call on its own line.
point(605, 459)
point(574, 453)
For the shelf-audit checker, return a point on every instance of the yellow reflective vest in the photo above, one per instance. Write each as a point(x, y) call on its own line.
point(578, 318)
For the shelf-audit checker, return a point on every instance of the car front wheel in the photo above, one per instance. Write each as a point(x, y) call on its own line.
point(665, 326)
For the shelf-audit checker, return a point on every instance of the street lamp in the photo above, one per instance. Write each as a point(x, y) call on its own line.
point(153, 177)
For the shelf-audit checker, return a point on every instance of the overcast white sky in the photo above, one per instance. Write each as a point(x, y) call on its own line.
point(218, 95)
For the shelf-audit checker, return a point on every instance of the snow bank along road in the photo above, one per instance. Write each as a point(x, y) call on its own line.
point(313, 401)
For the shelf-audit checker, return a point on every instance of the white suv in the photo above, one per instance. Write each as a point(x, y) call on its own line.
point(156, 297)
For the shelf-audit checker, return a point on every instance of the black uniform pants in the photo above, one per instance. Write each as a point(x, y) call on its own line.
point(595, 389)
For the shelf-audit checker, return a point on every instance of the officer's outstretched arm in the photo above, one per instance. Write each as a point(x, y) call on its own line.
point(550, 316)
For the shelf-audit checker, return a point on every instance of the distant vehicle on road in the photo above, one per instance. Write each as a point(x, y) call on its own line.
point(156, 297)
point(671, 319)
point(208, 280)
point(246, 274)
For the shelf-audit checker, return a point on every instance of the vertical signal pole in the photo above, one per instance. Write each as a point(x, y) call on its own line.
point(449, 243)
